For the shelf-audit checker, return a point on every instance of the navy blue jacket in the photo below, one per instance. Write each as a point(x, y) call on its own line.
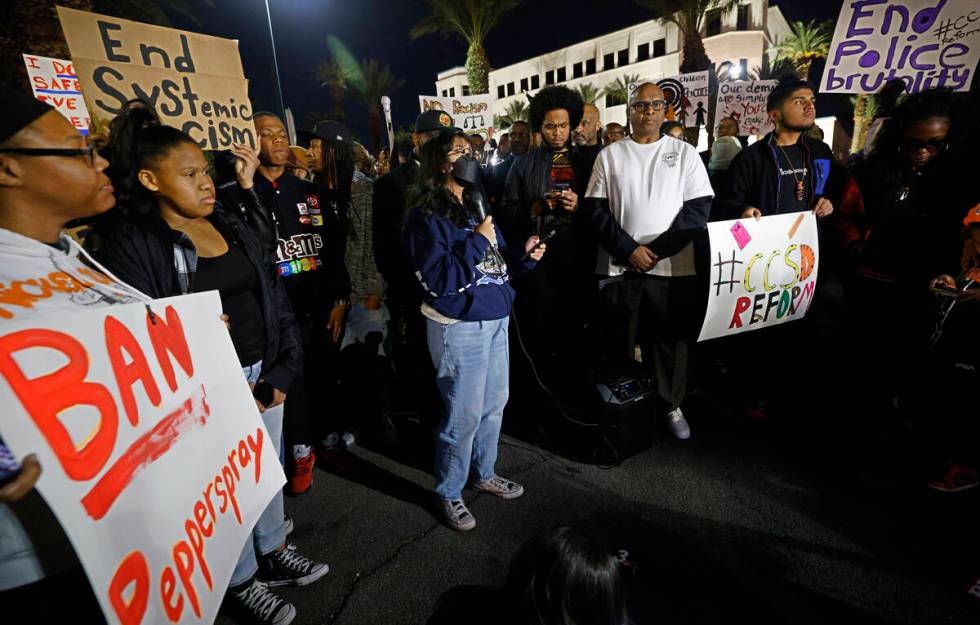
point(460, 275)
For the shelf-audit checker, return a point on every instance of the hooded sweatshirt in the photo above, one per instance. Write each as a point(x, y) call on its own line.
point(38, 279)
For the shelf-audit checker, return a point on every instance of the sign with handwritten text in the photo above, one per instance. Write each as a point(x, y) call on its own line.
point(54, 81)
point(472, 113)
point(686, 96)
point(745, 102)
point(156, 461)
point(763, 273)
point(926, 43)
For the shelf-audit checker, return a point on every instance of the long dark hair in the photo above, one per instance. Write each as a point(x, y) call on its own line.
point(568, 578)
point(137, 140)
point(430, 193)
point(341, 169)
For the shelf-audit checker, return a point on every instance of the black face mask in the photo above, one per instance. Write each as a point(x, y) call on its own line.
point(466, 170)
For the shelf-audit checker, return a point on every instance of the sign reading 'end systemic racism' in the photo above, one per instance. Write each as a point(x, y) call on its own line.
point(926, 43)
point(194, 82)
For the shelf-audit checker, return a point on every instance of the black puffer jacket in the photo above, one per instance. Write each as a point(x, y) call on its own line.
point(145, 253)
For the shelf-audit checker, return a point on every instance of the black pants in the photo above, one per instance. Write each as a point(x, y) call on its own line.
point(313, 404)
point(659, 314)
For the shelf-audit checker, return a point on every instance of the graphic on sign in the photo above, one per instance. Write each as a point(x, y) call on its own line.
point(54, 81)
point(745, 102)
point(156, 461)
point(471, 113)
point(194, 82)
point(763, 273)
point(686, 96)
point(926, 43)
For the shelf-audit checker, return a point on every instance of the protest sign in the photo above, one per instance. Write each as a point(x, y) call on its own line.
point(745, 102)
point(763, 273)
point(926, 43)
point(472, 113)
point(194, 82)
point(54, 81)
point(156, 461)
point(686, 96)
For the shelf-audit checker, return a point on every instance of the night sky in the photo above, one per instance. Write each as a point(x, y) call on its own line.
point(379, 29)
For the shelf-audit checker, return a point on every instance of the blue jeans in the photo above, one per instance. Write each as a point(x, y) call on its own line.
point(472, 362)
point(270, 530)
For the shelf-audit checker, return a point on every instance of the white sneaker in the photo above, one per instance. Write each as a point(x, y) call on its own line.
point(331, 440)
point(678, 424)
point(348, 440)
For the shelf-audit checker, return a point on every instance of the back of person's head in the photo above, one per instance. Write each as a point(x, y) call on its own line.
point(137, 141)
point(568, 578)
point(888, 97)
point(404, 147)
point(787, 85)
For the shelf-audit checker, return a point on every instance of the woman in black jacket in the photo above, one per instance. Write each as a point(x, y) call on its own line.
point(168, 237)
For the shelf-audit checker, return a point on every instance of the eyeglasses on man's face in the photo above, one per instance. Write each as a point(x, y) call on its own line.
point(642, 106)
point(89, 152)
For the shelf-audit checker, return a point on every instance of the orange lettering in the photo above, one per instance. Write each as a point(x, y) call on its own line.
point(119, 338)
point(133, 570)
point(168, 337)
point(184, 561)
point(168, 584)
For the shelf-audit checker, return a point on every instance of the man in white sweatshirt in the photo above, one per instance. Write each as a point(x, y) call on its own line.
point(49, 176)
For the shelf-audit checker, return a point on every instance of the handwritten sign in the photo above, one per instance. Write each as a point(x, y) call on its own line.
point(745, 102)
point(472, 113)
point(686, 96)
point(763, 273)
point(54, 81)
point(926, 43)
point(194, 82)
point(156, 461)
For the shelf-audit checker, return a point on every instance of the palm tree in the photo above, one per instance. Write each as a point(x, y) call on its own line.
point(372, 81)
point(618, 91)
point(588, 92)
point(469, 20)
point(336, 78)
point(810, 41)
point(516, 111)
point(689, 17)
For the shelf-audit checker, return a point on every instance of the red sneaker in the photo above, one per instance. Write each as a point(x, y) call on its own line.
point(302, 477)
point(957, 477)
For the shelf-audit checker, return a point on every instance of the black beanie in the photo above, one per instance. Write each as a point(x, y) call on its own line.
point(18, 109)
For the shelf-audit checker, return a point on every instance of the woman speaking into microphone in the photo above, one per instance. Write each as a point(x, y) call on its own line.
point(461, 261)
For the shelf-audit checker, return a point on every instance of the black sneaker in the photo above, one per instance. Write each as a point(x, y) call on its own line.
point(255, 604)
point(288, 568)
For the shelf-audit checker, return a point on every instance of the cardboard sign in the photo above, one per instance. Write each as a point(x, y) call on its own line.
point(926, 43)
point(54, 81)
point(763, 273)
point(472, 113)
point(686, 95)
point(745, 102)
point(194, 82)
point(155, 459)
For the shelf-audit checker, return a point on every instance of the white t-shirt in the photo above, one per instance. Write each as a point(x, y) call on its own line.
point(646, 185)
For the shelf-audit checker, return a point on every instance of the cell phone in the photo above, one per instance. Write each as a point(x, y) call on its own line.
point(540, 242)
point(9, 467)
point(263, 392)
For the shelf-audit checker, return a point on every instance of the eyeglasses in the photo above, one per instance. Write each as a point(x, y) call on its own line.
point(931, 146)
point(554, 127)
point(641, 106)
point(88, 151)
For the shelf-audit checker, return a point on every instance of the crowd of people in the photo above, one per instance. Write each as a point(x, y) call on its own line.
point(357, 288)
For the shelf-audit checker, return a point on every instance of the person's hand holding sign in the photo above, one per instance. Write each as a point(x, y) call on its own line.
point(246, 164)
point(17, 488)
point(752, 211)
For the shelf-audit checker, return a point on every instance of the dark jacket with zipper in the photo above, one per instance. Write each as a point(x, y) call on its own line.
point(754, 180)
point(146, 253)
point(388, 215)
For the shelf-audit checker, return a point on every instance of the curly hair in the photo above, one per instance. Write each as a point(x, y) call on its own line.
point(552, 98)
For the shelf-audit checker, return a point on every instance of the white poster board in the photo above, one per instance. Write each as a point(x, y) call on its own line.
point(745, 102)
point(54, 81)
point(686, 96)
point(926, 43)
point(155, 459)
point(763, 273)
point(472, 113)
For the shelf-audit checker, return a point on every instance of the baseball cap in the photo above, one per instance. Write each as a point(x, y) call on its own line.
point(973, 216)
point(434, 119)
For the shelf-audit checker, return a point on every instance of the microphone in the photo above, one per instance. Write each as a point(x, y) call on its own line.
point(386, 107)
point(477, 202)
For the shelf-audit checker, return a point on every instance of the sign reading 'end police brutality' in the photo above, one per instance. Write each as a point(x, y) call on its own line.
point(926, 43)
point(763, 273)
point(156, 461)
point(193, 82)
